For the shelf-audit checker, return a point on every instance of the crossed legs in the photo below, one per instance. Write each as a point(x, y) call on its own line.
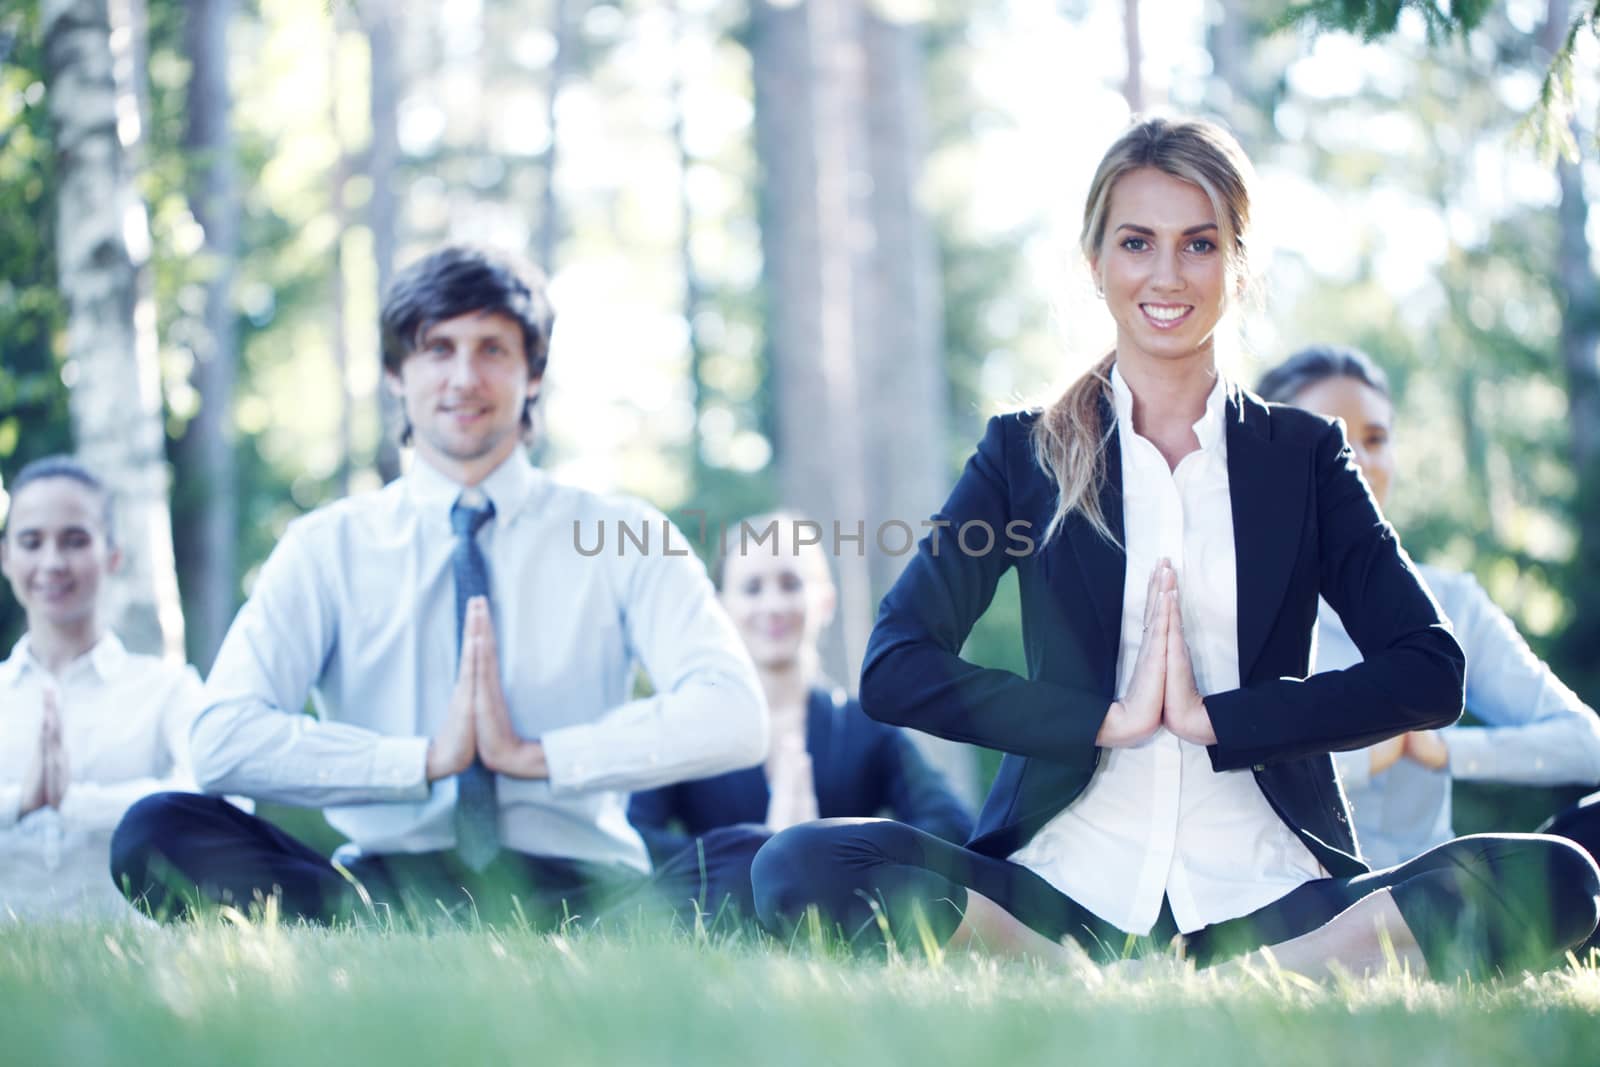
point(1471, 906)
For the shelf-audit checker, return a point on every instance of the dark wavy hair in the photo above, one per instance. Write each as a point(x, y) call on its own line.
point(62, 466)
point(459, 280)
point(1315, 364)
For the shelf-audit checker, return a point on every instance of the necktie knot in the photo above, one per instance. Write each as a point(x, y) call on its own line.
point(467, 520)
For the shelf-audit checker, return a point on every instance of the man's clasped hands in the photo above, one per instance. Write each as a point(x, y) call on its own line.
point(478, 724)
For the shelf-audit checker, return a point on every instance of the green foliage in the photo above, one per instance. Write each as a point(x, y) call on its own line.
point(1549, 124)
point(1379, 18)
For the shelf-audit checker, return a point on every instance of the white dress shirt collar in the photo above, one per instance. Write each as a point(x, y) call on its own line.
point(1207, 429)
point(107, 659)
point(510, 487)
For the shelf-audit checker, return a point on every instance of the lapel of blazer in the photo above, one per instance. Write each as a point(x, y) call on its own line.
point(1267, 484)
point(1104, 564)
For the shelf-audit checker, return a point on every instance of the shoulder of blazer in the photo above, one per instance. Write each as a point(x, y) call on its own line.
point(1279, 423)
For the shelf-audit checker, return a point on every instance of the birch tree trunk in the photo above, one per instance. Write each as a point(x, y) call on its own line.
point(379, 23)
point(102, 241)
point(207, 449)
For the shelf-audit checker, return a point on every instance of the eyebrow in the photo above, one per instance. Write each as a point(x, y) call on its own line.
point(1146, 231)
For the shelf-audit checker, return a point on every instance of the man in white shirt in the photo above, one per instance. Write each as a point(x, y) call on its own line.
point(470, 667)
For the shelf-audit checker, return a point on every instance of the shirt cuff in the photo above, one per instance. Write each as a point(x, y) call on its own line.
point(566, 758)
point(1472, 753)
point(576, 757)
point(10, 804)
point(400, 764)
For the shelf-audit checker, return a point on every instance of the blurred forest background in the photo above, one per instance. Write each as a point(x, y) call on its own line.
point(799, 252)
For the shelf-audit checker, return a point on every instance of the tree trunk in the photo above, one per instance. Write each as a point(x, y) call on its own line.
point(102, 240)
point(1228, 89)
point(905, 388)
point(692, 290)
point(549, 235)
point(378, 21)
point(808, 88)
point(853, 300)
point(1580, 359)
point(338, 321)
point(1133, 81)
point(207, 450)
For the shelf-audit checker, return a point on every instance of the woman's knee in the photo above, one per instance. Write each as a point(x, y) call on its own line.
point(802, 866)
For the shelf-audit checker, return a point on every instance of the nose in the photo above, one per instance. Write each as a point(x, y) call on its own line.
point(463, 370)
point(50, 555)
point(1167, 274)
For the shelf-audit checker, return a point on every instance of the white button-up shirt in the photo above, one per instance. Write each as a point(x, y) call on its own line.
point(1535, 730)
point(124, 726)
point(356, 607)
point(1156, 819)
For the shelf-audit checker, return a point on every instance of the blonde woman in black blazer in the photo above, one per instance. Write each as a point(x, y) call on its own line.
point(1166, 767)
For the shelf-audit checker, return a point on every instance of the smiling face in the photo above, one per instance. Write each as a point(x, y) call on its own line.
point(1161, 267)
point(464, 387)
point(779, 603)
point(1368, 417)
point(56, 551)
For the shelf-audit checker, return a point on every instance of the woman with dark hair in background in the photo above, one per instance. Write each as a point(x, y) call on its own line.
point(86, 727)
point(1535, 730)
point(826, 759)
point(1166, 766)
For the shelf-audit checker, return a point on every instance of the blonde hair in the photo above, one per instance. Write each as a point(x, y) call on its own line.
point(1069, 441)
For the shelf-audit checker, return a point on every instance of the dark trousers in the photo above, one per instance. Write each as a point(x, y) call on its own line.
point(1580, 823)
point(174, 852)
point(1476, 905)
point(711, 877)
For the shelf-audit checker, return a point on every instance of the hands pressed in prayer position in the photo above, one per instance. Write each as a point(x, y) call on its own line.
point(1424, 747)
point(44, 784)
point(1162, 691)
point(478, 723)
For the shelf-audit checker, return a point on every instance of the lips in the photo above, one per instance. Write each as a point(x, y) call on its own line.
point(1166, 316)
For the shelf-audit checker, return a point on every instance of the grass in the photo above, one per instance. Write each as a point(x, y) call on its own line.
point(217, 991)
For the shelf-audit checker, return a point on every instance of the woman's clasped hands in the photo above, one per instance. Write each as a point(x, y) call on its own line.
point(1162, 691)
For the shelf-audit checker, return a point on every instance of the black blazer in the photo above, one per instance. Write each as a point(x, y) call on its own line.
point(860, 769)
point(1304, 524)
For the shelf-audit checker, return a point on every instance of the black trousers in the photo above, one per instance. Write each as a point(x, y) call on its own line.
point(175, 852)
point(1580, 823)
point(1476, 905)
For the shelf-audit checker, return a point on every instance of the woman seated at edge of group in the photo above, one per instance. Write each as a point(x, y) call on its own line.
point(1167, 768)
point(826, 760)
point(1536, 731)
point(86, 727)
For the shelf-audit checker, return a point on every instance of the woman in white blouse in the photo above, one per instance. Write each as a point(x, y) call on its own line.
point(86, 727)
point(1535, 730)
